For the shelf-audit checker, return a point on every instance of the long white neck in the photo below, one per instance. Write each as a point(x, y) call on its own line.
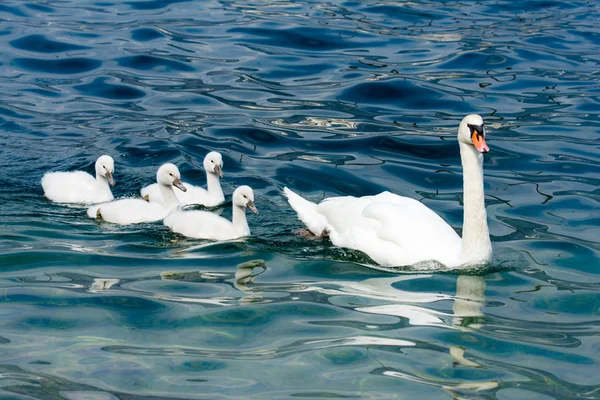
point(170, 201)
point(103, 186)
point(213, 186)
point(476, 245)
point(240, 225)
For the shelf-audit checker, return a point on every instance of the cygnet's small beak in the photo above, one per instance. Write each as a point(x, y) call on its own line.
point(109, 177)
point(251, 206)
point(218, 171)
point(179, 185)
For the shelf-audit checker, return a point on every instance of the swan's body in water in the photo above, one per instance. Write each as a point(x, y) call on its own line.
point(133, 211)
point(206, 225)
point(210, 197)
point(79, 186)
point(400, 231)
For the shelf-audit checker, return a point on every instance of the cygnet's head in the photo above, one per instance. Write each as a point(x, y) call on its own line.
point(213, 162)
point(471, 131)
point(105, 166)
point(168, 175)
point(244, 197)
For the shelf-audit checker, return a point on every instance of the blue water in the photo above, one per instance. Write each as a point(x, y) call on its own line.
point(327, 98)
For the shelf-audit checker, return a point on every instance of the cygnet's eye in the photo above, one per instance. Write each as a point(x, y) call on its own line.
point(170, 174)
point(103, 167)
point(212, 161)
point(244, 196)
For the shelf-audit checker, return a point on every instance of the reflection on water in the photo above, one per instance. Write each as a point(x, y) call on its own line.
point(429, 330)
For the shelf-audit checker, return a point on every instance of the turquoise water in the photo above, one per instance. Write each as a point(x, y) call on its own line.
point(327, 98)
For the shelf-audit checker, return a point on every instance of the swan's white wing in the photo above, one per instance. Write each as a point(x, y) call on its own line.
point(200, 225)
point(153, 193)
point(131, 211)
point(72, 187)
point(392, 230)
point(418, 234)
point(194, 195)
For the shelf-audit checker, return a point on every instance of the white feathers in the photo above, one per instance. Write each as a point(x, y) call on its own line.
point(210, 197)
point(79, 186)
point(133, 211)
point(206, 225)
point(392, 230)
point(128, 211)
point(400, 231)
point(307, 213)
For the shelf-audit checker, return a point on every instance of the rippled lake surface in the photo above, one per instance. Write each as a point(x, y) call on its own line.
point(332, 98)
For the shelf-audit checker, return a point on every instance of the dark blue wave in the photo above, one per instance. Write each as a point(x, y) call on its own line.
point(65, 66)
point(40, 44)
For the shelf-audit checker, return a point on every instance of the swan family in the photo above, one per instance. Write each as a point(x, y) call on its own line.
point(392, 230)
point(161, 200)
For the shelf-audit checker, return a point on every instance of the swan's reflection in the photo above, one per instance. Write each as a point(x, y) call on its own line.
point(466, 309)
point(100, 284)
point(244, 274)
point(468, 301)
point(467, 312)
point(467, 315)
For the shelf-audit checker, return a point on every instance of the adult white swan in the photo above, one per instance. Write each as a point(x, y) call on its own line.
point(133, 211)
point(206, 225)
point(79, 186)
point(210, 197)
point(400, 231)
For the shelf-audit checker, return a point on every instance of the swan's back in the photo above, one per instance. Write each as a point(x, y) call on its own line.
point(152, 193)
point(193, 195)
point(129, 211)
point(73, 187)
point(391, 229)
point(202, 225)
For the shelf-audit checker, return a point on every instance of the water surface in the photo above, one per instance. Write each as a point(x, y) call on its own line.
point(334, 98)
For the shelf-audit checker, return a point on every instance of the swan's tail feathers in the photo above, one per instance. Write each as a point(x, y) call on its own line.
point(307, 213)
point(94, 211)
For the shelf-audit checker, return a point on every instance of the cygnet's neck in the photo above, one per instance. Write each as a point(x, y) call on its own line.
point(170, 201)
point(102, 185)
point(240, 224)
point(476, 245)
point(213, 187)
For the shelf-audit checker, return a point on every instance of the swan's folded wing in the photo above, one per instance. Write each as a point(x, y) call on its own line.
point(152, 193)
point(193, 195)
point(199, 225)
point(418, 233)
point(344, 213)
point(348, 227)
point(69, 187)
point(132, 211)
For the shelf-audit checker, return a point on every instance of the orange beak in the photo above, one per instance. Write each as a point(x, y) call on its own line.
point(479, 142)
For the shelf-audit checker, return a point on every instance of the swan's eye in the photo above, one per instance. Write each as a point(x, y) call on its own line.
point(244, 196)
point(476, 129)
point(170, 174)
